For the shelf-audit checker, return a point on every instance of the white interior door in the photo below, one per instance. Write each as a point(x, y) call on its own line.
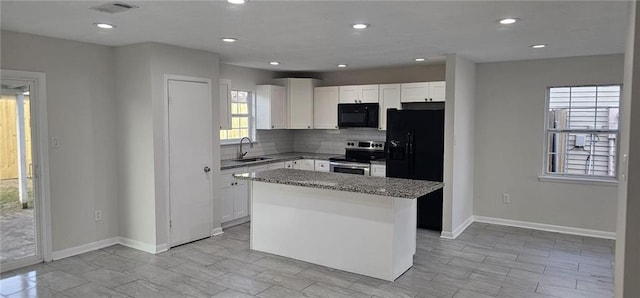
point(190, 160)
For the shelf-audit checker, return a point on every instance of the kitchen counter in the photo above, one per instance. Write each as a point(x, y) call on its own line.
point(381, 186)
point(360, 224)
point(230, 164)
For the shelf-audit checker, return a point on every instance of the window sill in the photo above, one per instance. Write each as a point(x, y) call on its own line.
point(574, 180)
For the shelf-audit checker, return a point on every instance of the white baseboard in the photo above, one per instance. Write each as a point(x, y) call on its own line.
point(72, 251)
point(217, 232)
point(146, 247)
point(545, 227)
point(457, 231)
point(162, 247)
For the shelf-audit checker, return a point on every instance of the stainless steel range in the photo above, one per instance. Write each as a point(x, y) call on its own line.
point(358, 157)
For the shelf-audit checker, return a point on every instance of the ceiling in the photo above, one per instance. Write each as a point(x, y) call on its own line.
point(317, 35)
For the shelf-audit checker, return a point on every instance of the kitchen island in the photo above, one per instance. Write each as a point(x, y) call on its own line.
point(359, 224)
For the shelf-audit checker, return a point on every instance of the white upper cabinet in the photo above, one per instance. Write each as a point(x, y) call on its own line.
point(225, 104)
point(359, 94)
point(389, 99)
point(271, 107)
point(325, 107)
point(437, 90)
point(423, 92)
point(299, 101)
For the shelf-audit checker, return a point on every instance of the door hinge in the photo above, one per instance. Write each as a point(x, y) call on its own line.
point(170, 224)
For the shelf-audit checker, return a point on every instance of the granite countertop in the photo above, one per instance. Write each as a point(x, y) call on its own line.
point(230, 164)
point(382, 186)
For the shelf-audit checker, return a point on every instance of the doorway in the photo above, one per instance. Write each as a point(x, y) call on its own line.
point(190, 140)
point(22, 211)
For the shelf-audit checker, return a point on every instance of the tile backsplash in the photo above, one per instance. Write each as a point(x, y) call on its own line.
point(266, 142)
point(332, 141)
point(311, 141)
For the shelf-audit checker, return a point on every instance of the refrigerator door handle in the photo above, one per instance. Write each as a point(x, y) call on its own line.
point(409, 151)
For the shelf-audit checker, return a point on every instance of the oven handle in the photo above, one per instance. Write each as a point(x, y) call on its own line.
point(349, 165)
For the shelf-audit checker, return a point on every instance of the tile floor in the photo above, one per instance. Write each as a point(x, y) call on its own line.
point(485, 261)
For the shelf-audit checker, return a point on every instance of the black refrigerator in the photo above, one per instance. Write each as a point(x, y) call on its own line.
point(415, 150)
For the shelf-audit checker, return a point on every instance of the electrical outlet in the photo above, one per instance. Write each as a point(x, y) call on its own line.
point(506, 198)
point(98, 215)
point(55, 142)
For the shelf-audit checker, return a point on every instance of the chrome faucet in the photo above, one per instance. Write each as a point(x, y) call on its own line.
point(242, 154)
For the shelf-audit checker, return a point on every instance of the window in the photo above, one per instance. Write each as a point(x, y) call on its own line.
point(582, 131)
point(241, 117)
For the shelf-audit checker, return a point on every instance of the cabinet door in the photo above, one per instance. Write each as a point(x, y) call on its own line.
point(300, 99)
point(278, 107)
point(304, 164)
point(321, 166)
point(368, 93)
point(225, 104)
point(378, 170)
point(325, 107)
point(389, 99)
point(437, 91)
point(226, 209)
point(414, 92)
point(241, 199)
point(288, 164)
point(349, 94)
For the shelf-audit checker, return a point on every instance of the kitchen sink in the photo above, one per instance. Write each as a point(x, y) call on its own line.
point(251, 159)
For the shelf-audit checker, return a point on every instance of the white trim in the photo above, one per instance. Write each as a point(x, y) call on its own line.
point(162, 247)
point(167, 176)
point(40, 155)
point(545, 227)
point(80, 249)
point(139, 245)
point(575, 180)
point(458, 230)
point(217, 232)
point(235, 222)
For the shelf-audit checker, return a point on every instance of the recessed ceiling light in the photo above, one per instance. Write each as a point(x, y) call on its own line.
point(538, 46)
point(104, 25)
point(419, 59)
point(229, 39)
point(342, 65)
point(508, 21)
point(360, 26)
point(237, 1)
point(274, 63)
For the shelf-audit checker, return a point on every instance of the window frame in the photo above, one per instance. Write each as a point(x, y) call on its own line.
point(547, 176)
point(250, 114)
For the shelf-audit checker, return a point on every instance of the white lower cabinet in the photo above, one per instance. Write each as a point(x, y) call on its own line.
point(321, 166)
point(235, 196)
point(379, 170)
point(304, 164)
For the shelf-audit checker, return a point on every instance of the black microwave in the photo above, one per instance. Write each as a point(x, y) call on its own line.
point(358, 115)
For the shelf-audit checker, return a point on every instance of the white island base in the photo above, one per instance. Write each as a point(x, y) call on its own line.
point(360, 233)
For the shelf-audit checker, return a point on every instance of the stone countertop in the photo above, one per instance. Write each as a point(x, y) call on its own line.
point(230, 164)
point(382, 186)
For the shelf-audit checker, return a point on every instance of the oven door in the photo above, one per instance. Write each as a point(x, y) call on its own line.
point(350, 168)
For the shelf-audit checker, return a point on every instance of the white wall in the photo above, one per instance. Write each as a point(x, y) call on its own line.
point(628, 233)
point(136, 183)
point(509, 134)
point(459, 145)
point(82, 114)
point(385, 75)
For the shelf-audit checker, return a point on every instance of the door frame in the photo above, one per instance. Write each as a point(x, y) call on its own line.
point(167, 176)
point(40, 157)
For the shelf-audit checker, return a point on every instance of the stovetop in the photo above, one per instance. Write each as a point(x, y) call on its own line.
point(362, 152)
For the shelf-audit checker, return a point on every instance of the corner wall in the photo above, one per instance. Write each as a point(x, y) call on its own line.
point(459, 146)
point(627, 277)
point(81, 108)
point(509, 138)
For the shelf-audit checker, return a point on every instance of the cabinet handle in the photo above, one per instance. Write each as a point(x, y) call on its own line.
point(272, 126)
point(309, 126)
point(426, 99)
point(336, 126)
point(355, 100)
